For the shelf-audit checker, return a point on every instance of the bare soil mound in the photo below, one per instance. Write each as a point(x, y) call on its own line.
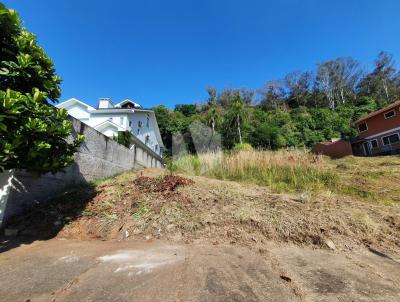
point(152, 204)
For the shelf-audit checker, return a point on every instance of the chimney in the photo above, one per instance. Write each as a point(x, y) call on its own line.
point(105, 103)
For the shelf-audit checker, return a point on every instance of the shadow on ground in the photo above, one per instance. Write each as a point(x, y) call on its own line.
point(45, 221)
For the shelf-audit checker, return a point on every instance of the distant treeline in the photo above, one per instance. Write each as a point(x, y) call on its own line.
point(299, 110)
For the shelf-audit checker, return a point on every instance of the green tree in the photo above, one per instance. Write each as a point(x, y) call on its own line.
point(33, 133)
point(186, 109)
point(298, 86)
point(213, 118)
point(237, 115)
point(383, 83)
point(338, 79)
point(24, 64)
point(170, 122)
point(272, 95)
point(299, 110)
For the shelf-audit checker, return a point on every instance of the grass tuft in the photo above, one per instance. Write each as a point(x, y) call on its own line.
point(294, 171)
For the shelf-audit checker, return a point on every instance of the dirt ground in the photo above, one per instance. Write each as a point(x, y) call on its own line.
point(152, 236)
point(155, 270)
point(154, 204)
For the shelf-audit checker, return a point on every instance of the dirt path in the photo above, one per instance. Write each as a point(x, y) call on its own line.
point(68, 270)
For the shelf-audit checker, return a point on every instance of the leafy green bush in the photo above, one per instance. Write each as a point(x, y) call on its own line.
point(33, 134)
point(186, 164)
point(242, 147)
point(124, 138)
point(24, 65)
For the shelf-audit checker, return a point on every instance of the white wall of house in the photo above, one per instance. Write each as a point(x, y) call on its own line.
point(147, 129)
point(117, 118)
point(139, 122)
point(78, 111)
point(109, 131)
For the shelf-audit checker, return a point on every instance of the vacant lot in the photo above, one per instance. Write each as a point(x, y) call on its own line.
point(369, 179)
point(357, 207)
point(320, 233)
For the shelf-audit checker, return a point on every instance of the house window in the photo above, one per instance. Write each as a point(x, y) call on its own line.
point(147, 139)
point(139, 123)
point(156, 147)
point(130, 123)
point(390, 114)
point(374, 143)
point(391, 139)
point(148, 122)
point(362, 127)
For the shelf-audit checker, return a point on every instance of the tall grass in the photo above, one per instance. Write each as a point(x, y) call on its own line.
point(283, 170)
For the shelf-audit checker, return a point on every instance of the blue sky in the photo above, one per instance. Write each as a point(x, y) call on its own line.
point(168, 52)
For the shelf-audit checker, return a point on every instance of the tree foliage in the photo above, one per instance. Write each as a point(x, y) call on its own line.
point(124, 138)
point(24, 64)
point(303, 108)
point(33, 133)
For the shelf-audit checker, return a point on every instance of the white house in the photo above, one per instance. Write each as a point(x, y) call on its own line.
point(124, 116)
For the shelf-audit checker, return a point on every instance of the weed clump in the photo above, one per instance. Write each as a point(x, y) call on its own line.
point(163, 184)
point(293, 171)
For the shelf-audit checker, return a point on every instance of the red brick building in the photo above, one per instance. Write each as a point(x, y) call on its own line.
point(378, 132)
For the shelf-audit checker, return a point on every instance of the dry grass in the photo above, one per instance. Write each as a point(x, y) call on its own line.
point(374, 179)
point(221, 211)
point(351, 201)
point(283, 171)
point(369, 179)
point(360, 206)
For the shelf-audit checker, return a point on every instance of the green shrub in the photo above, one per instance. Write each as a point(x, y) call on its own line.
point(33, 134)
point(242, 147)
point(124, 138)
point(189, 164)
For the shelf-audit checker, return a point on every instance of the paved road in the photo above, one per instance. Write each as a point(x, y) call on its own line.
point(63, 270)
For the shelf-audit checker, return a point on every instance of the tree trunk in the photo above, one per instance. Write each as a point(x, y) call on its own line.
point(212, 133)
point(238, 125)
point(342, 95)
point(386, 89)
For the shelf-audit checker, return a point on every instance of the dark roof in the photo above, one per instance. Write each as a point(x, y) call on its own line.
point(391, 106)
point(357, 139)
point(120, 108)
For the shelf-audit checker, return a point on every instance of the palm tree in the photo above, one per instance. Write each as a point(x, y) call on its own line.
point(213, 115)
point(213, 119)
point(238, 114)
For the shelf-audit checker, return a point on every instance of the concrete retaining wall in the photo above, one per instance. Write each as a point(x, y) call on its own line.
point(98, 157)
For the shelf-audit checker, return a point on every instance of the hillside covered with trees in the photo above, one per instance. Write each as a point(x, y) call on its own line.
point(301, 109)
